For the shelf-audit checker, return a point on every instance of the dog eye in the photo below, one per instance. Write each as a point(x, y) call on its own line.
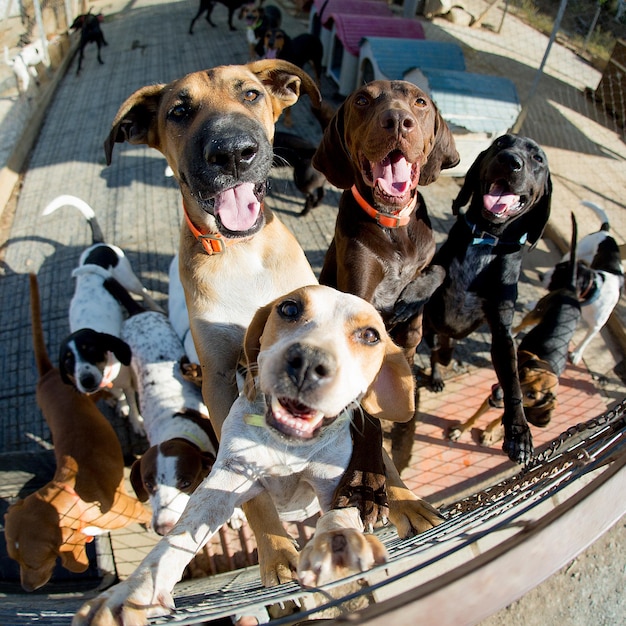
point(369, 336)
point(421, 102)
point(178, 111)
point(290, 310)
point(184, 484)
point(538, 158)
point(361, 101)
point(251, 95)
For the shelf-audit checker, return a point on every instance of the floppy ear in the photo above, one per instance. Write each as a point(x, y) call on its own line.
point(72, 551)
point(392, 394)
point(471, 182)
point(285, 81)
point(137, 482)
point(444, 154)
point(119, 347)
point(332, 157)
point(252, 347)
point(135, 120)
point(540, 213)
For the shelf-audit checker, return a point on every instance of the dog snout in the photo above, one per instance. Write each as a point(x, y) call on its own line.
point(308, 367)
point(88, 381)
point(233, 154)
point(511, 161)
point(397, 121)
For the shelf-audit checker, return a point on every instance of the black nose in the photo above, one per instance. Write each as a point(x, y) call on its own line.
point(307, 366)
point(231, 154)
point(88, 381)
point(510, 160)
point(397, 121)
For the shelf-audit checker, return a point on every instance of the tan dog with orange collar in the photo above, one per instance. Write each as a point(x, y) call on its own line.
point(86, 496)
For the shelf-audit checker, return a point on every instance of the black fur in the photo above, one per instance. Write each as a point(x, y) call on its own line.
point(90, 32)
point(482, 257)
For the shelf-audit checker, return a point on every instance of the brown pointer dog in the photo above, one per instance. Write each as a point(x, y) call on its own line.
point(86, 497)
point(509, 190)
point(216, 128)
point(385, 139)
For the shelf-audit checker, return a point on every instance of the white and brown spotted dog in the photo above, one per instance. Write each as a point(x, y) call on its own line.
point(92, 357)
point(183, 444)
point(312, 355)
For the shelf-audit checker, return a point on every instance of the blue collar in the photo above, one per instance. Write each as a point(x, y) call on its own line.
point(484, 238)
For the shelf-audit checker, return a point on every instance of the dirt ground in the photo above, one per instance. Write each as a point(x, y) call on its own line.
point(590, 590)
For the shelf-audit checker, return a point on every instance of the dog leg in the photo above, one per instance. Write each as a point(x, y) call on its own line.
point(362, 485)
point(493, 433)
point(455, 432)
point(407, 512)
point(576, 355)
point(338, 549)
point(278, 556)
point(208, 13)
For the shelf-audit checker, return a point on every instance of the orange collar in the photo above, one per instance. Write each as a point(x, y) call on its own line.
point(401, 218)
point(213, 243)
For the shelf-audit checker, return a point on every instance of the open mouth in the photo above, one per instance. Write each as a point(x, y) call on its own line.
point(392, 179)
point(294, 419)
point(238, 210)
point(500, 203)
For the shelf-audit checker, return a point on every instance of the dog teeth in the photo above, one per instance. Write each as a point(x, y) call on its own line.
point(302, 426)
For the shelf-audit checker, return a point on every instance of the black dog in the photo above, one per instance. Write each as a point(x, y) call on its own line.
point(208, 5)
point(297, 153)
point(509, 190)
point(541, 354)
point(90, 32)
point(300, 50)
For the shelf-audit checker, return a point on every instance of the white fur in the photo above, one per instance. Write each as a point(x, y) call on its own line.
point(163, 392)
point(92, 306)
point(299, 474)
point(24, 63)
point(178, 313)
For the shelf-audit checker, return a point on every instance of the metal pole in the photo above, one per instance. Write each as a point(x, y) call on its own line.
point(42, 32)
point(533, 88)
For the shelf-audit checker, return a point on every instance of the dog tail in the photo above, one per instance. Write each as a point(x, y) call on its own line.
point(83, 207)
point(120, 293)
point(42, 359)
point(599, 211)
point(572, 247)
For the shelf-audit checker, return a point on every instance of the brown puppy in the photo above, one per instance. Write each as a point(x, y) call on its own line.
point(86, 496)
point(385, 139)
point(216, 128)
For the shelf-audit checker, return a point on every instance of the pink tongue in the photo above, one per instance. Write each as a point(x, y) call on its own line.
point(393, 175)
point(498, 202)
point(238, 208)
point(270, 53)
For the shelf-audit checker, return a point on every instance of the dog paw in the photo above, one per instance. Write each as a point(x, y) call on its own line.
point(123, 605)
point(489, 437)
point(278, 560)
point(338, 550)
point(518, 444)
point(454, 433)
point(410, 514)
point(575, 357)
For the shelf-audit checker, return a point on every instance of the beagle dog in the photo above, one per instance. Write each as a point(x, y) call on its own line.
point(312, 356)
point(92, 357)
point(86, 496)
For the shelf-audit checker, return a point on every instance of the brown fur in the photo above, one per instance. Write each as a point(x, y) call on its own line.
point(182, 121)
point(88, 485)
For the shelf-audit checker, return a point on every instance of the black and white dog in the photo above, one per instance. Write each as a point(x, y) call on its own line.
point(93, 357)
point(599, 279)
